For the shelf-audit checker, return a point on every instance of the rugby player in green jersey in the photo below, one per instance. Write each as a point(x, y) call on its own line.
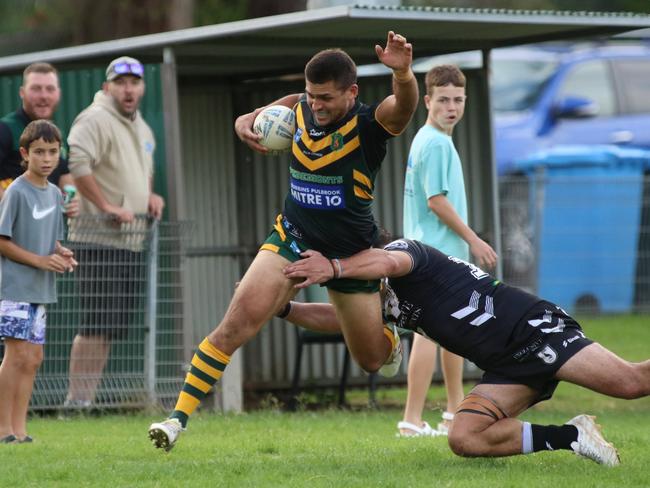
point(337, 152)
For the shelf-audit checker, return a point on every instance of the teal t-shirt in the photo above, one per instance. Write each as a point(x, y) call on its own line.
point(434, 168)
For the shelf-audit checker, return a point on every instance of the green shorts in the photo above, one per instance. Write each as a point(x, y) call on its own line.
point(281, 242)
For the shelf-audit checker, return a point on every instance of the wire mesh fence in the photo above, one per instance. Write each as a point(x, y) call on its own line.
point(580, 239)
point(123, 310)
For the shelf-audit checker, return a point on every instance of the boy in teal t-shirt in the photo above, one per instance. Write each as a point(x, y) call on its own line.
point(434, 168)
point(435, 213)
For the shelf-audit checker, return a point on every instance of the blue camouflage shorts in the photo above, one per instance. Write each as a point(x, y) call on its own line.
point(22, 320)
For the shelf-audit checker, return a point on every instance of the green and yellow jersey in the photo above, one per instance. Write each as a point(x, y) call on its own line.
point(332, 180)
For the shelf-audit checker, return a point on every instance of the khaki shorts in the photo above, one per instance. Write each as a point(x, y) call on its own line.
point(284, 244)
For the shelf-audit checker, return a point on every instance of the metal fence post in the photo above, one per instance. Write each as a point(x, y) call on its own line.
point(540, 189)
point(150, 313)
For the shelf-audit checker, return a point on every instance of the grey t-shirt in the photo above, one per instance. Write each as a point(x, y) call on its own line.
point(32, 218)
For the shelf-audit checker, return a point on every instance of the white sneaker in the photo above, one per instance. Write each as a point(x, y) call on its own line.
point(391, 366)
point(591, 443)
point(163, 434)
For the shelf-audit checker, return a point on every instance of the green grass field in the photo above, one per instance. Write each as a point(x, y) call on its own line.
point(331, 448)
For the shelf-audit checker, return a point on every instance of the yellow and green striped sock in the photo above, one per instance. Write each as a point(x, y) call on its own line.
point(207, 367)
point(389, 332)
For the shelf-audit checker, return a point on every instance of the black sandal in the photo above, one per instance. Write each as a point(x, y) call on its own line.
point(10, 439)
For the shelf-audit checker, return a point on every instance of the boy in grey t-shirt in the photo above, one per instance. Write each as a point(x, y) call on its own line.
point(31, 225)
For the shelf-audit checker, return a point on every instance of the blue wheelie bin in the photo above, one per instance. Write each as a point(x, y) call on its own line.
point(586, 205)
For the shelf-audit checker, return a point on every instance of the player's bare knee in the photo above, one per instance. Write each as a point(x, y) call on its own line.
point(239, 322)
point(474, 415)
point(369, 365)
point(369, 359)
point(456, 443)
point(463, 443)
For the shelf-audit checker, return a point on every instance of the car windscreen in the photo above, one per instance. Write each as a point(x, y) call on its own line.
point(517, 84)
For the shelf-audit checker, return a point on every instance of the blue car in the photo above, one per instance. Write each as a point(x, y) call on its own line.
point(544, 97)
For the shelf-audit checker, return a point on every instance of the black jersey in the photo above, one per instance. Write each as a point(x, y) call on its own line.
point(460, 306)
point(332, 178)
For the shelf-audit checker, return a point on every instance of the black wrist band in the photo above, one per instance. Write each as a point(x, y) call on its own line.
point(285, 311)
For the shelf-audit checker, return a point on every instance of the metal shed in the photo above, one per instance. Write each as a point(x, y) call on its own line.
point(210, 74)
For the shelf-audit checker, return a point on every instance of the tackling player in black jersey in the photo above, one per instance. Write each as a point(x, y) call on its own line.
point(524, 344)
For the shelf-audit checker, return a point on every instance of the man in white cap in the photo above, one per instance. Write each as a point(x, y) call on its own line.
point(111, 160)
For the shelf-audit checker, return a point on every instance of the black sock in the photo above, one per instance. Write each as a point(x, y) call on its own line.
point(552, 437)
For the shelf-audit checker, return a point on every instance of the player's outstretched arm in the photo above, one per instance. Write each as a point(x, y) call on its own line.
point(395, 112)
point(244, 123)
point(367, 265)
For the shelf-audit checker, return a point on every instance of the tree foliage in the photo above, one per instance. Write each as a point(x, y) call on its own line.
point(31, 25)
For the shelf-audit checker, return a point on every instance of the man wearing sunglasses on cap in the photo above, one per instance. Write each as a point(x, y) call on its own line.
point(111, 159)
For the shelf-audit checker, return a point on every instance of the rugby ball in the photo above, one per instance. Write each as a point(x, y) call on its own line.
point(276, 124)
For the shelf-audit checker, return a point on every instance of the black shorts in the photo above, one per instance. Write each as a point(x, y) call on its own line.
point(111, 285)
point(559, 337)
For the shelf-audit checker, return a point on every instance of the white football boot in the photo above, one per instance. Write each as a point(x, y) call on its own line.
point(164, 434)
point(591, 443)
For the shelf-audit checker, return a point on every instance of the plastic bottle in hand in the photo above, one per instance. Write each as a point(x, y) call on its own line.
point(69, 192)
